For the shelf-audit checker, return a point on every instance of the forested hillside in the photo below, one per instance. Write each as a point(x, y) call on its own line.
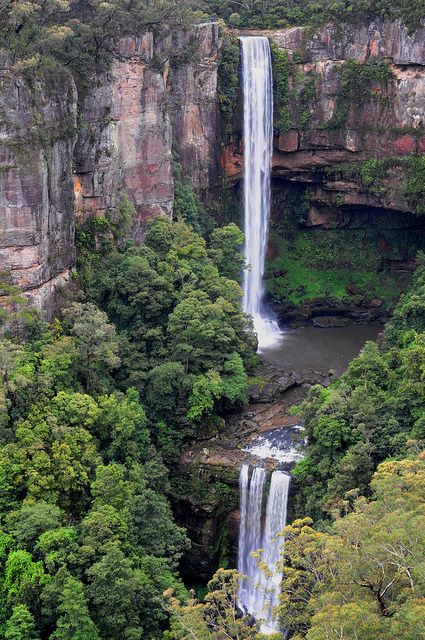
point(91, 408)
point(130, 383)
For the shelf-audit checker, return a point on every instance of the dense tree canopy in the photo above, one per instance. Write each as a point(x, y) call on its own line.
point(184, 341)
point(374, 411)
point(364, 578)
point(275, 14)
point(79, 34)
point(88, 543)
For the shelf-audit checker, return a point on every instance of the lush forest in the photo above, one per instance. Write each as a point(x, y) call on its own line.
point(92, 407)
point(148, 355)
point(78, 36)
point(275, 14)
point(95, 406)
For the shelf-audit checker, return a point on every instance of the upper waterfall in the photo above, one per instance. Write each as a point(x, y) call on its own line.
point(258, 149)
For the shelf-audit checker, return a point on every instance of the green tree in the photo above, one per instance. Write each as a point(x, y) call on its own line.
point(122, 427)
point(23, 578)
point(74, 622)
point(21, 625)
point(33, 520)
point(200, 334)
point(214, 619)
point(365, 575)
point(225, 250)
point(114, 594)
point(97, 343)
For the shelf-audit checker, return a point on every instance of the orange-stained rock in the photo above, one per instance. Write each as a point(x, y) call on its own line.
point(288, 141)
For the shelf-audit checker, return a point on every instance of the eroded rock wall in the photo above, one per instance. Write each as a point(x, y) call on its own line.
point(326, 128)
point(158, 92)
point(37, 127)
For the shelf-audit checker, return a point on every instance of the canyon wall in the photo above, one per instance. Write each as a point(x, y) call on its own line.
point(156, 94)
point(124, 146)
point(58, 168)
point(37, 128)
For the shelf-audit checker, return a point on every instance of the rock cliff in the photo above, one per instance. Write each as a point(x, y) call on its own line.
point(53, 173)
point(37, 127)
point(157, 93)
point(349, 127)
point(124, 146)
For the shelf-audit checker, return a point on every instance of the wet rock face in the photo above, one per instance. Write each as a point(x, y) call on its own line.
point(37, 125)
point(373, 126)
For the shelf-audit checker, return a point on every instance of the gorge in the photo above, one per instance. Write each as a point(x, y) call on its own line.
point(212, 320)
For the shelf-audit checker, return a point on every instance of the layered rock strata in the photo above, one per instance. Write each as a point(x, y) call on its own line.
point(385, 121)
point(37, 127)
point(53, 173)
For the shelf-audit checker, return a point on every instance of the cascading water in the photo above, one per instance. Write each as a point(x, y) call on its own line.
point(258, 594)
point(258, 148)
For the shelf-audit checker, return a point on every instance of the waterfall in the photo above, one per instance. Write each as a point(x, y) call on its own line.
point(258, 149)
point(258, 594)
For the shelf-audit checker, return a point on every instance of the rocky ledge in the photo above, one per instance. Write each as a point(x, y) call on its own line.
point(207, 501)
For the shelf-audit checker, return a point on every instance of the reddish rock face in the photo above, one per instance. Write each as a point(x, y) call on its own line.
point(125, 147)
point(381, 126)
point(321, 217)
point(384, 246)
point(135, 111)
point(288, 141)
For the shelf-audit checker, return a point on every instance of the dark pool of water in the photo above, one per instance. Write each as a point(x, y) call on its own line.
point(307, 348)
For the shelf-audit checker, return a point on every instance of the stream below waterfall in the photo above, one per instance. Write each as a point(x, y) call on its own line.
point(264, 494)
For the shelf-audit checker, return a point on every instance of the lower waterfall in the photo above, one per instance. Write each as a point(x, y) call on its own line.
point(258, 594)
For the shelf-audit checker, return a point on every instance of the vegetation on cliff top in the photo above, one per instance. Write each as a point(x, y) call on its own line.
point(80, 35)
point(277, 14)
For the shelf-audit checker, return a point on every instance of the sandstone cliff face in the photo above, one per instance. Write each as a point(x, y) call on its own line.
point(195, 117)
point(157, 93)
point(50, 176)
point(386, 123)
point(124, 146)
point(37, 124)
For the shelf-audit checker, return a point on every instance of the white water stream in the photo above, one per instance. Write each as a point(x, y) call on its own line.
point(258, 593)
point(258, 149)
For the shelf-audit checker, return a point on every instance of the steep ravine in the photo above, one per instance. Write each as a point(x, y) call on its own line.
point(344, 233)
point(349, 122)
